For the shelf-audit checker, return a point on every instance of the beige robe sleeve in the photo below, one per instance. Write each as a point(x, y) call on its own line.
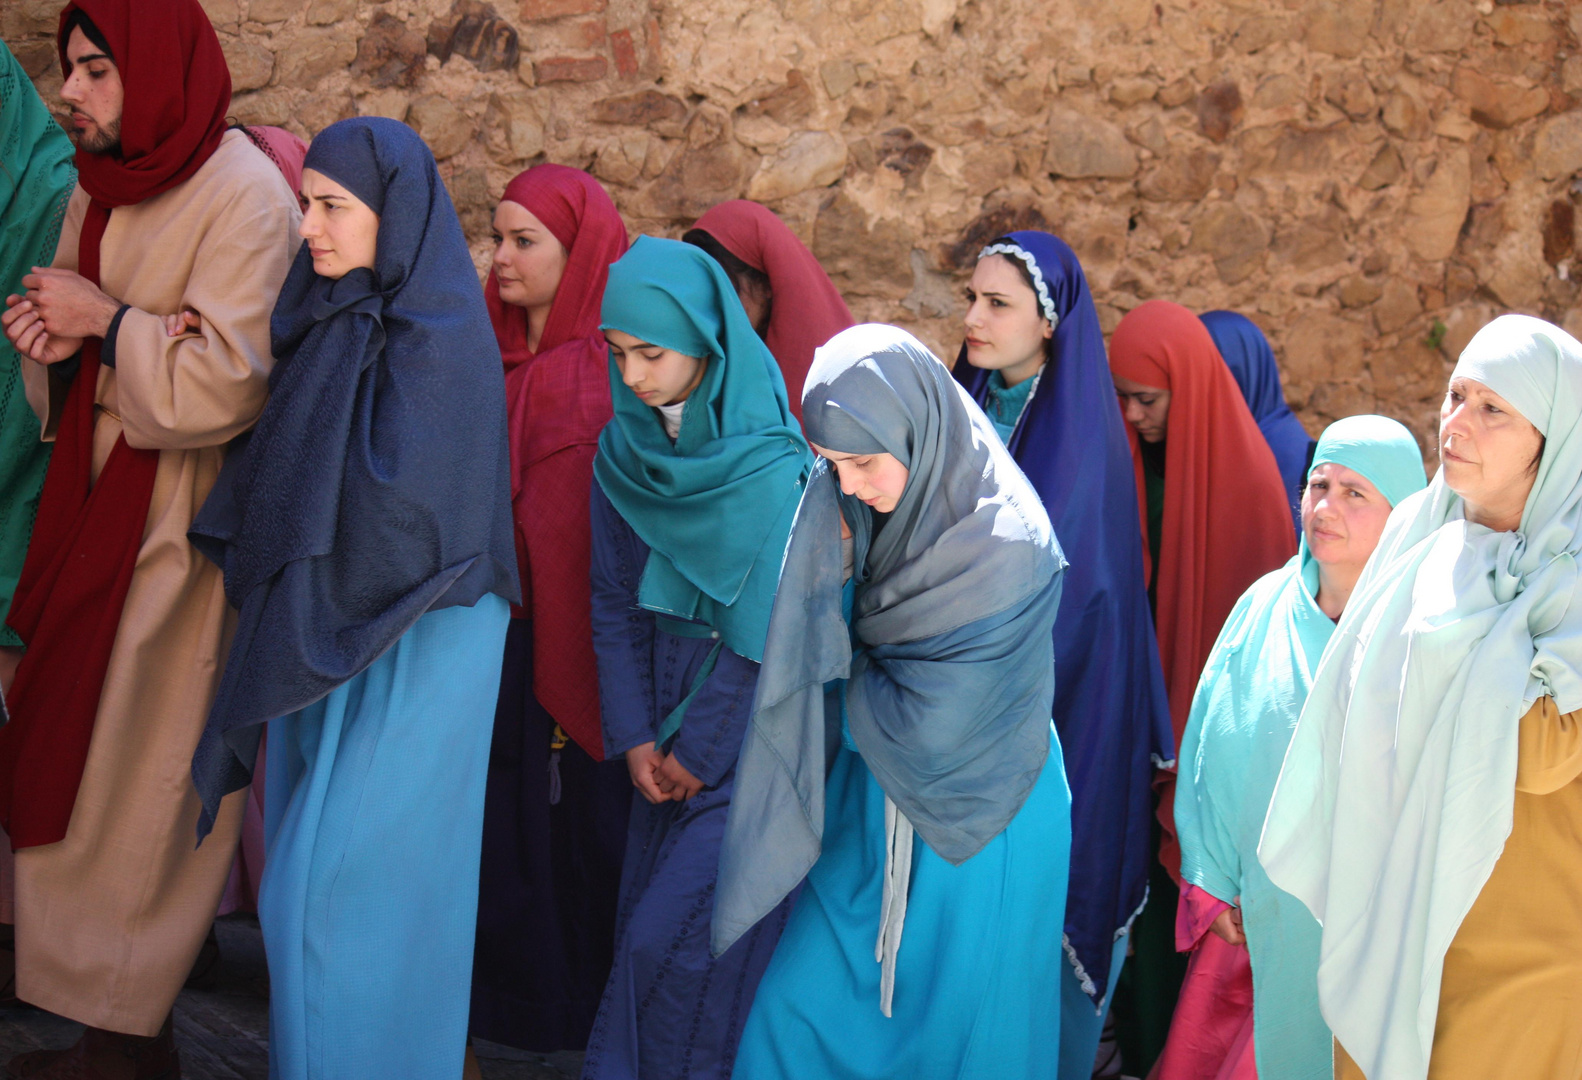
point(46, 392)
point(205, 388)
point(1550, 749)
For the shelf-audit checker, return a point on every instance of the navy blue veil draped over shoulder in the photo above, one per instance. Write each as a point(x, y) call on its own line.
point(376, 484)
point(1252, 365)
point(1110, 706)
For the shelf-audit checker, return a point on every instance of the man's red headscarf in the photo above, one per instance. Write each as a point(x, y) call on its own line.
point(559, 400)
point(1226, 522)
point(86, 540)
point(807, 310)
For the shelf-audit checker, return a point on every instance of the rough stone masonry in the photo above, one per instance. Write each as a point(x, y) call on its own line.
point(1370, 180)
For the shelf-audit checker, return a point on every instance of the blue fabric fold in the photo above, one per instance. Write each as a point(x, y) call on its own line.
point(1110, 710)
point(376, 484)
point(1252, 364)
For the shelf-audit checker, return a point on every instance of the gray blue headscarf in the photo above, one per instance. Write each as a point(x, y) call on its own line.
point(966, 566)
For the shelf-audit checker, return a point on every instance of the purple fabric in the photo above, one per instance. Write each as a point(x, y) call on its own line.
point(550, 875)
point(669, 1010)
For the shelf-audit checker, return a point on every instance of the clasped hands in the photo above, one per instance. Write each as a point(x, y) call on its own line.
point(1227, 925)
point(658, 776)
point(61, 308)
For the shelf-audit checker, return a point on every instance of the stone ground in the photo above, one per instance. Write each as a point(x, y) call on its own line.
point(223, 1033)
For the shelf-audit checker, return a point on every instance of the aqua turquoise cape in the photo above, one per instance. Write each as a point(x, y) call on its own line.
point(1253, 688)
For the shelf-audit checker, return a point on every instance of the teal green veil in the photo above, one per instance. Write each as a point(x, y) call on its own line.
point(715, 507)
point(36, 181)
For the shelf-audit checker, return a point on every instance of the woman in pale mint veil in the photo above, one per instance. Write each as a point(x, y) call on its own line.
point(1429, 810)
point(901, 755)
point(1249, 1004)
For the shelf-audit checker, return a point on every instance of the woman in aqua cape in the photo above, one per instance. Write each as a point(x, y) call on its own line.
point(1429, 810)
point(1246, 706)
point(905, 696)
point(697, 479)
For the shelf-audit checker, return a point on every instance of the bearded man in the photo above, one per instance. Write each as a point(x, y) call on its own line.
point(147, 351)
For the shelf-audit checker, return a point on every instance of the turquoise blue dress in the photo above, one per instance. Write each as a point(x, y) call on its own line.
point(979, 972)
point(374, 815)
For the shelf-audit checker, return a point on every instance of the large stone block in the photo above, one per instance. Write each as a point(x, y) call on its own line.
point(1082, 146)
point(1396, 306)
point(1557, 147)
point(1219, 109)
point(1497, 103)
point(310, 54)
point(711, 167)
point(443, 126)
point(646, 108)
point(1338, 27)
point(1443, 27)
point(330, 12)
point(1234, 238)
point(251, 65)
point(1185, 176)
point(1435, 214)
point(810, 159)
point(515, 131)
point(1385, 169)
point(390, 53)
point(540, 10)
point(1521, 25)
point(864, 259)
point(571, 69)
point(272, 11)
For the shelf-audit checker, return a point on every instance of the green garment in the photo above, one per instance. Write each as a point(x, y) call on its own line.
point(36, 182)
point(715, 506)
point(1006, 403)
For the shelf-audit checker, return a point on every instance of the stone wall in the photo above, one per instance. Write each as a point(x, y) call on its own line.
point(1371, 180)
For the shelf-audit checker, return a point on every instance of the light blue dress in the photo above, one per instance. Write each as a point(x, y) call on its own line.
point(977, 983)
point(374, 815)
point(980, 967)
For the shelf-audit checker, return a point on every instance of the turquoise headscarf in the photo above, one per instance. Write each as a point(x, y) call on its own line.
point(36, 181)
point(1397, 794)
point(1247, 703)
point(715, 506)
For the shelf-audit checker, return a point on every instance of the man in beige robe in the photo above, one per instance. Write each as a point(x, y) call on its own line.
point(110, 919)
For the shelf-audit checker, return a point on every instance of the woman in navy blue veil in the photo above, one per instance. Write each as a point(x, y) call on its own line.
point(1034, 359)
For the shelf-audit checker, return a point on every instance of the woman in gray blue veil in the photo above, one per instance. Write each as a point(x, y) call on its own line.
point(905, 690)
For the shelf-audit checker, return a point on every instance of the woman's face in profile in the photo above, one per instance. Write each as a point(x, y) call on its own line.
point(528, 259)
point(1487, 450)
point(341, 231)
